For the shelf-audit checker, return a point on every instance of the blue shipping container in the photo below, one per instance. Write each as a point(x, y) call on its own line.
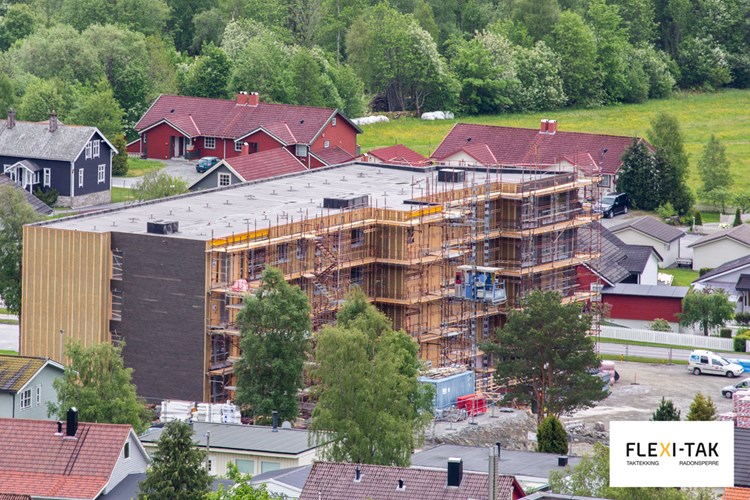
point(449, 389)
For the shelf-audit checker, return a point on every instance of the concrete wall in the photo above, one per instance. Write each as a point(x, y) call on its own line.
point(717, 252)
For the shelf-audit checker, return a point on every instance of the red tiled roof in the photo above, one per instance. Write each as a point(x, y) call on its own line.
point(333, 156)
point(736, 493)
point(522, 146)
point(36, 462)
point(225, 118)
point(335, 481)
point(265, 164)
point(10, 496)
point(398, 154)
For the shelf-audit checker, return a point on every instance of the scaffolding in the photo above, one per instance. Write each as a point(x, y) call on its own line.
point(446, 269)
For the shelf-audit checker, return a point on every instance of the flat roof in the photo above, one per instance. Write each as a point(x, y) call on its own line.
point(675, 292)
point(279, 200)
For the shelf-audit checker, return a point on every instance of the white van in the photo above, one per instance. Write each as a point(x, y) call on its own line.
point(708, 362)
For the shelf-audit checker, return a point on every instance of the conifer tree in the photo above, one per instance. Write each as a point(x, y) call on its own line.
point(551, 436)
point(701, 409)
point(666, 412)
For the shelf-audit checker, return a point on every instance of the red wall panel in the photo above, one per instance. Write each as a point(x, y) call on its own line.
point(157, 141)
point(342, 135)
point(643, 308)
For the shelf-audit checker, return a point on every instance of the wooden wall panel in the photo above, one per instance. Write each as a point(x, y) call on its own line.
point(66, 277)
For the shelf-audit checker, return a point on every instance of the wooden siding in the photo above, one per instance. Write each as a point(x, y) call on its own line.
point(66, 287)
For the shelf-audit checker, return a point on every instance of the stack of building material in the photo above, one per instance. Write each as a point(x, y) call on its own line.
point(227, 413)
point(741, 406)
point(729, 416)
point(609, 367)
point(173, 409)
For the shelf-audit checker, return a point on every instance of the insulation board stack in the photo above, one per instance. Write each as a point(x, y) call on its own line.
point(172, 409)
point(729, 416)
point(741, 406)
point(609, 367)
point(218, 413)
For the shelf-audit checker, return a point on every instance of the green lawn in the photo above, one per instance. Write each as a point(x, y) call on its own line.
point(605, 340)
point(723, 114)
point(638, 359)
point(8, 321)
point(138, 167)
point(4, 311)
point(710, 217)
point(121, 194)
point(11, 353)
point(682, 276)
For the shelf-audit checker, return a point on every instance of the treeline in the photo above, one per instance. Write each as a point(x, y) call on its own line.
point(102, 62)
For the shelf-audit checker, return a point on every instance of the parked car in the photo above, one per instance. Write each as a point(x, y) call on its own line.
point(701, 361)
point(206, 163)
point(614, 204)
point(731, 389)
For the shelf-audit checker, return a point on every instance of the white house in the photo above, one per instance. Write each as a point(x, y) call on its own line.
point(652, 232)
point(26, 386)
point(734, 278)
point(716, 249)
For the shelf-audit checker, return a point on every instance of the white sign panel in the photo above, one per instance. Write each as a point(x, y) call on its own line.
point(671, 454)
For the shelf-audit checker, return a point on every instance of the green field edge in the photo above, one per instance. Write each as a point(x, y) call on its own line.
point(641, 359)
point(8, 353)
point(656, 344)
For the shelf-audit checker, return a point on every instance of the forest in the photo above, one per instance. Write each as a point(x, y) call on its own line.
point(102, 62)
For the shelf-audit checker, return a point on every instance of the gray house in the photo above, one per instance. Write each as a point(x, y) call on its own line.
point(26, 386)
point(732, 277)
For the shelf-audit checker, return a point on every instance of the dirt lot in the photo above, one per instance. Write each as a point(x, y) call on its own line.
point(640, 389)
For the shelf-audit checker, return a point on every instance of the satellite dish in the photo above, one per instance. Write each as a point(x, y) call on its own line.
point(286, 424)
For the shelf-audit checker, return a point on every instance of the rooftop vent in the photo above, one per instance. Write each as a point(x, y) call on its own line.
point(451, 175)
point(455, 471)
point(162, 226)
point(71, 426)
point(355, 202)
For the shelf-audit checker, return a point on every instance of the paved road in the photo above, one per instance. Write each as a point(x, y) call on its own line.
point(184, 169)
point(8, 334)
point(644, 351)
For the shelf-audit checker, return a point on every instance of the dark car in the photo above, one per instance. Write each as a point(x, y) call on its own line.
point(206, 163)
point(614, 204)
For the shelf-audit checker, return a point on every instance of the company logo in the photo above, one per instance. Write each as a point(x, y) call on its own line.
point(672, 454)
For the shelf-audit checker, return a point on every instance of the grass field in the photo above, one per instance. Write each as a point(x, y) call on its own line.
point(138, 167)
point(682, 276)
point(121, 194)
point(8, 321)
point(723, 114)
point(12, 353)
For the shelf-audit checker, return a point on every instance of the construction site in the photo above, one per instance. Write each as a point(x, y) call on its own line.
point(445, 253)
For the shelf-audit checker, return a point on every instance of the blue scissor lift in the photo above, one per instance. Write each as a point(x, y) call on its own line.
point(479, 283)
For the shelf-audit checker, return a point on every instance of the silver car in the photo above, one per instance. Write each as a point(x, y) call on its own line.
point(731, 389)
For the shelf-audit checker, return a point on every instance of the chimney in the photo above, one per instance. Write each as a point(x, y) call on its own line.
point(455, 471)
point(11, 118)
point(562, 460)
point(492, 475)
point(275, 420)
point(72, 423)
point(497, 445)
point(241, 98)
point(52, 121)
point(544, 125)
point(245, 149)
point(59, 428)
point(400, 484)
point(253, 99)
point(357, 474)
point(551, 126)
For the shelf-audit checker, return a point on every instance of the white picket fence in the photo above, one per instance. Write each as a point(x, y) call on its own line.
point(683, 339)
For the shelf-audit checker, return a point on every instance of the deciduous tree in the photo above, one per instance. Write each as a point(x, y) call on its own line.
point(574, 42)
point(18, 22)
point(274, 324)
point(242, 489)
point(15, 211)
point(177, 469)
point(714, 171)
point(100, 109)
point(707, 308)
point(208, 76)
point(98, 384)
point(371, 409)
point(547, 354)
point(156, 185)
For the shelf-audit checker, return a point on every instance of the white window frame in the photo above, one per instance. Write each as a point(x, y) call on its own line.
point(300, 150)
point(126, 451)
point(47, 177)
point(209, 143)
point(95, 149)
point(326, 144)
point(237, 147)
point(88, 150)
point(333, 121)
point(38, 395)
point(224, 176)
point(24, 400)
point(101, 174)
point(80, 177)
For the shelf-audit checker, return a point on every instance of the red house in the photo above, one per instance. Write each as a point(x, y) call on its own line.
point(192, 127)
point(635, 306)
point(488, 145)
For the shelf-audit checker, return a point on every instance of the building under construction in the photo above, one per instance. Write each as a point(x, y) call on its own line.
point(445, 253)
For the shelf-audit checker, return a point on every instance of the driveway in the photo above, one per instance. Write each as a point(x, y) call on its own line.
point(184, 169)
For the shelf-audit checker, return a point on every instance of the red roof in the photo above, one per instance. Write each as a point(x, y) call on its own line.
point(398, 154)
point(736, 493)
point(265, 164)
point(200, 116)
point(333, 156)
point(522, 146)
point(335, 481)
point(36, 462)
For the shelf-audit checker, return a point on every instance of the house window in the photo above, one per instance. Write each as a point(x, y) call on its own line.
point(26, 399)
point(358, 238)
point(238, 146)
point(245, 466)
point(301, 249)
point(357, 276)
point(209, 142)
point(95, 149)
point(283, 251)
point(333, 121)
point(268, 466)
point(38, 395)
point(210, 465)
point(88, 150)
point(300, 150)
point(47, 177)
point(224, 179)
point(326, 144)
point(126, 451)
point(144, 138)
point(80, 178)
point(101, 173)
